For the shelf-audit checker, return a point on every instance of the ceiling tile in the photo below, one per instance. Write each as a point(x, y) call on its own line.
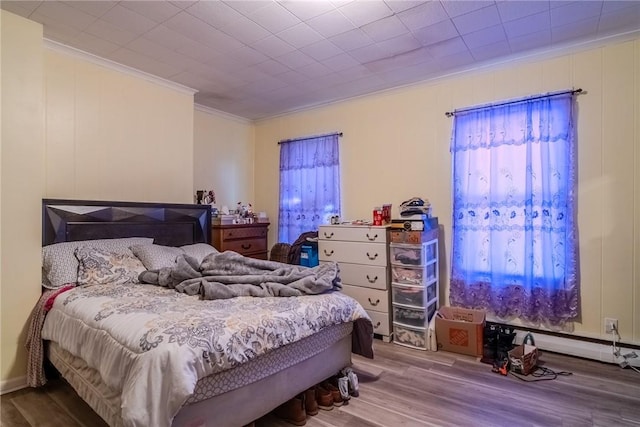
point(143, 63)
point(292, 77)
point(273, 46)
point(401, 5)
point(330, 23)
point(340, 62)
point(436, 33)
point(530, 41)
point(214, 13)
point(247, 7)
point(400, 60)
point(368, 53)
point(620, 20)
point(410, 74)
point(315, 69)
point(158, 11)
point(364, 12)
point(485, 37)
point(510, 10)
point(614, 5)
point(399, 45)
point(527, 25)
point(161, 53)
point(95, 45)
point(423, 15)
point(455, 62)
point(196, 29)
point(385, 28)
point(201, 52)
point(351, 40)
point(22, 8)
point(183, 4)
point(305, 10)
point(461, 7)
point(574, 30)
point(485, 52)
point(63, 15)
point(245, 30)
point(477, 20)
point(274, 17)
point(94, 8)
point(110, 32)
point(127, 19)
point(247, 55)
point(168, 38)
point(299, 35)
point(447, 48)
point(574, 12)
point(321, 50)
point(271, 67)
point(295, 59)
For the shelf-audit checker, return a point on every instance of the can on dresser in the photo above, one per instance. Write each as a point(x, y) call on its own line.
point(377, 216)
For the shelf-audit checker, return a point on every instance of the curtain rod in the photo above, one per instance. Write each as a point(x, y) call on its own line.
point(284, 141)
point(515, 101)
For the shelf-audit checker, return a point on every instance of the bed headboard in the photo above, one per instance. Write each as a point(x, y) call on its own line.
point(169, 224)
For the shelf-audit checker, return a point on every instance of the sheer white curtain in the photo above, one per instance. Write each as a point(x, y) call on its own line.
point(514, 249)
point(309, 185)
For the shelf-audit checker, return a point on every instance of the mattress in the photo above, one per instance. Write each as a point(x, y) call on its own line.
point(315, 357)
point(154, 345)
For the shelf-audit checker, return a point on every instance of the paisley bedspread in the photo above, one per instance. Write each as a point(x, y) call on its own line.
point(154, 344)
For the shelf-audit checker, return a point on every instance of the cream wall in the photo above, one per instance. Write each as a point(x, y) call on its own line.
point(22, 185)
point(111, 135)
point(396, 145)
point(79, 129)
point(224, 156)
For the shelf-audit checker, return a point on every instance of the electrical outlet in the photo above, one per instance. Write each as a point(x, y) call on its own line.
point(610, 325)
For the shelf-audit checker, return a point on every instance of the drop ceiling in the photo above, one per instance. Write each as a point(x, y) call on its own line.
point(259, 59)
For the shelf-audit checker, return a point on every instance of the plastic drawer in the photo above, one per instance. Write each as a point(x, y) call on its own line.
point(407, 255)
point(412, 316)
point(408, 295)
point(410, 337)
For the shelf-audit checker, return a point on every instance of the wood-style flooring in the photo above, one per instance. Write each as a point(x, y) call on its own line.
point(405, 387)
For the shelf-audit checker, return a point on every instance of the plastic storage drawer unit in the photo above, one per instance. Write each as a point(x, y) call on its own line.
point(410, 336)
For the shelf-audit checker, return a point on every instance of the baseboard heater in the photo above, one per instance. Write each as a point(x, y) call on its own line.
point(572, 345)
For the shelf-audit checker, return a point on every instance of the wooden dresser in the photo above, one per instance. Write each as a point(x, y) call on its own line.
point(362, 253)
point(246, 239)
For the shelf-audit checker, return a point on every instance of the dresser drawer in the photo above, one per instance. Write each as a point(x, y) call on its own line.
point(369, 276)
point(245, 246)
point(243, 233)
point(380, 322)
point(369, 299)
point(353, 252)
point(353, 234)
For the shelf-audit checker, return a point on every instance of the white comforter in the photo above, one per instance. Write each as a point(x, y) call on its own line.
point(154, 344)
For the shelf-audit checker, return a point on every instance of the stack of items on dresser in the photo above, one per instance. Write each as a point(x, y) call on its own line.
point(414, 273)
point(335, 391)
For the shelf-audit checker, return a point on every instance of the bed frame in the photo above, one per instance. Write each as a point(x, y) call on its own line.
point(177, 225)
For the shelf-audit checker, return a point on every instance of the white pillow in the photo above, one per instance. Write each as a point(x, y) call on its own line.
point(155, 257)
point(60, 265)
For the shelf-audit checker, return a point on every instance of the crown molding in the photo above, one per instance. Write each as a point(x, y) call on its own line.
point(115, 66)
point(222, 114)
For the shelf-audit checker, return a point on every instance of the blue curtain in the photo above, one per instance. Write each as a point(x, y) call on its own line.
point(514, 249)
point(309, 185)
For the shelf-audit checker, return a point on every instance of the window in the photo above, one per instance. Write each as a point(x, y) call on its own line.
point(514, 248)
point(309, 185)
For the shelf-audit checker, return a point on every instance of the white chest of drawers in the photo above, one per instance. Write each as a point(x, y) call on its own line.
point(362, 254)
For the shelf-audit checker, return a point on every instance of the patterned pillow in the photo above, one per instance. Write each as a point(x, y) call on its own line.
point(100, 267)
point(155, 257)
point(199, 251)
point(60, 265)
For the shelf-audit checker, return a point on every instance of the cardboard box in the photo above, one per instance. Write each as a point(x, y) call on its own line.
point(459, 330)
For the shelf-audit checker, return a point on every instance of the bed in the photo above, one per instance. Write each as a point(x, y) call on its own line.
point(146, 355)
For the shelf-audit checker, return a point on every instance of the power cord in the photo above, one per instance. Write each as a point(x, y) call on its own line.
point(616, 351)
point(540, 373)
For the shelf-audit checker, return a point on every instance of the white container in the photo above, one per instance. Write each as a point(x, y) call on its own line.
point(410, 336)
point(408, 295)
point(406, 255)
point(412, 316)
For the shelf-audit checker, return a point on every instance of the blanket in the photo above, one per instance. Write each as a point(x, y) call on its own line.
point(229, 274)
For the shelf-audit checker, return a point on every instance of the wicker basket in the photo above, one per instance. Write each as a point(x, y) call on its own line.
point(280, 252)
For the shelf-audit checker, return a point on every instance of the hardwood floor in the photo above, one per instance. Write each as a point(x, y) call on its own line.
point(405, 387)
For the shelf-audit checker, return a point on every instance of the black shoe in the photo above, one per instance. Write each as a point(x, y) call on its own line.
point(506, 336)
point(489, 344)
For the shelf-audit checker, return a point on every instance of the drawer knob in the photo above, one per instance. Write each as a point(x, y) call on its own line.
point(374, 280)
point(230, 234)
point(327, 236)
point(372, 257)
point(374, 303)
point(371, 239)
point(245, 247)
point(328, 253)
point(376, 326)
